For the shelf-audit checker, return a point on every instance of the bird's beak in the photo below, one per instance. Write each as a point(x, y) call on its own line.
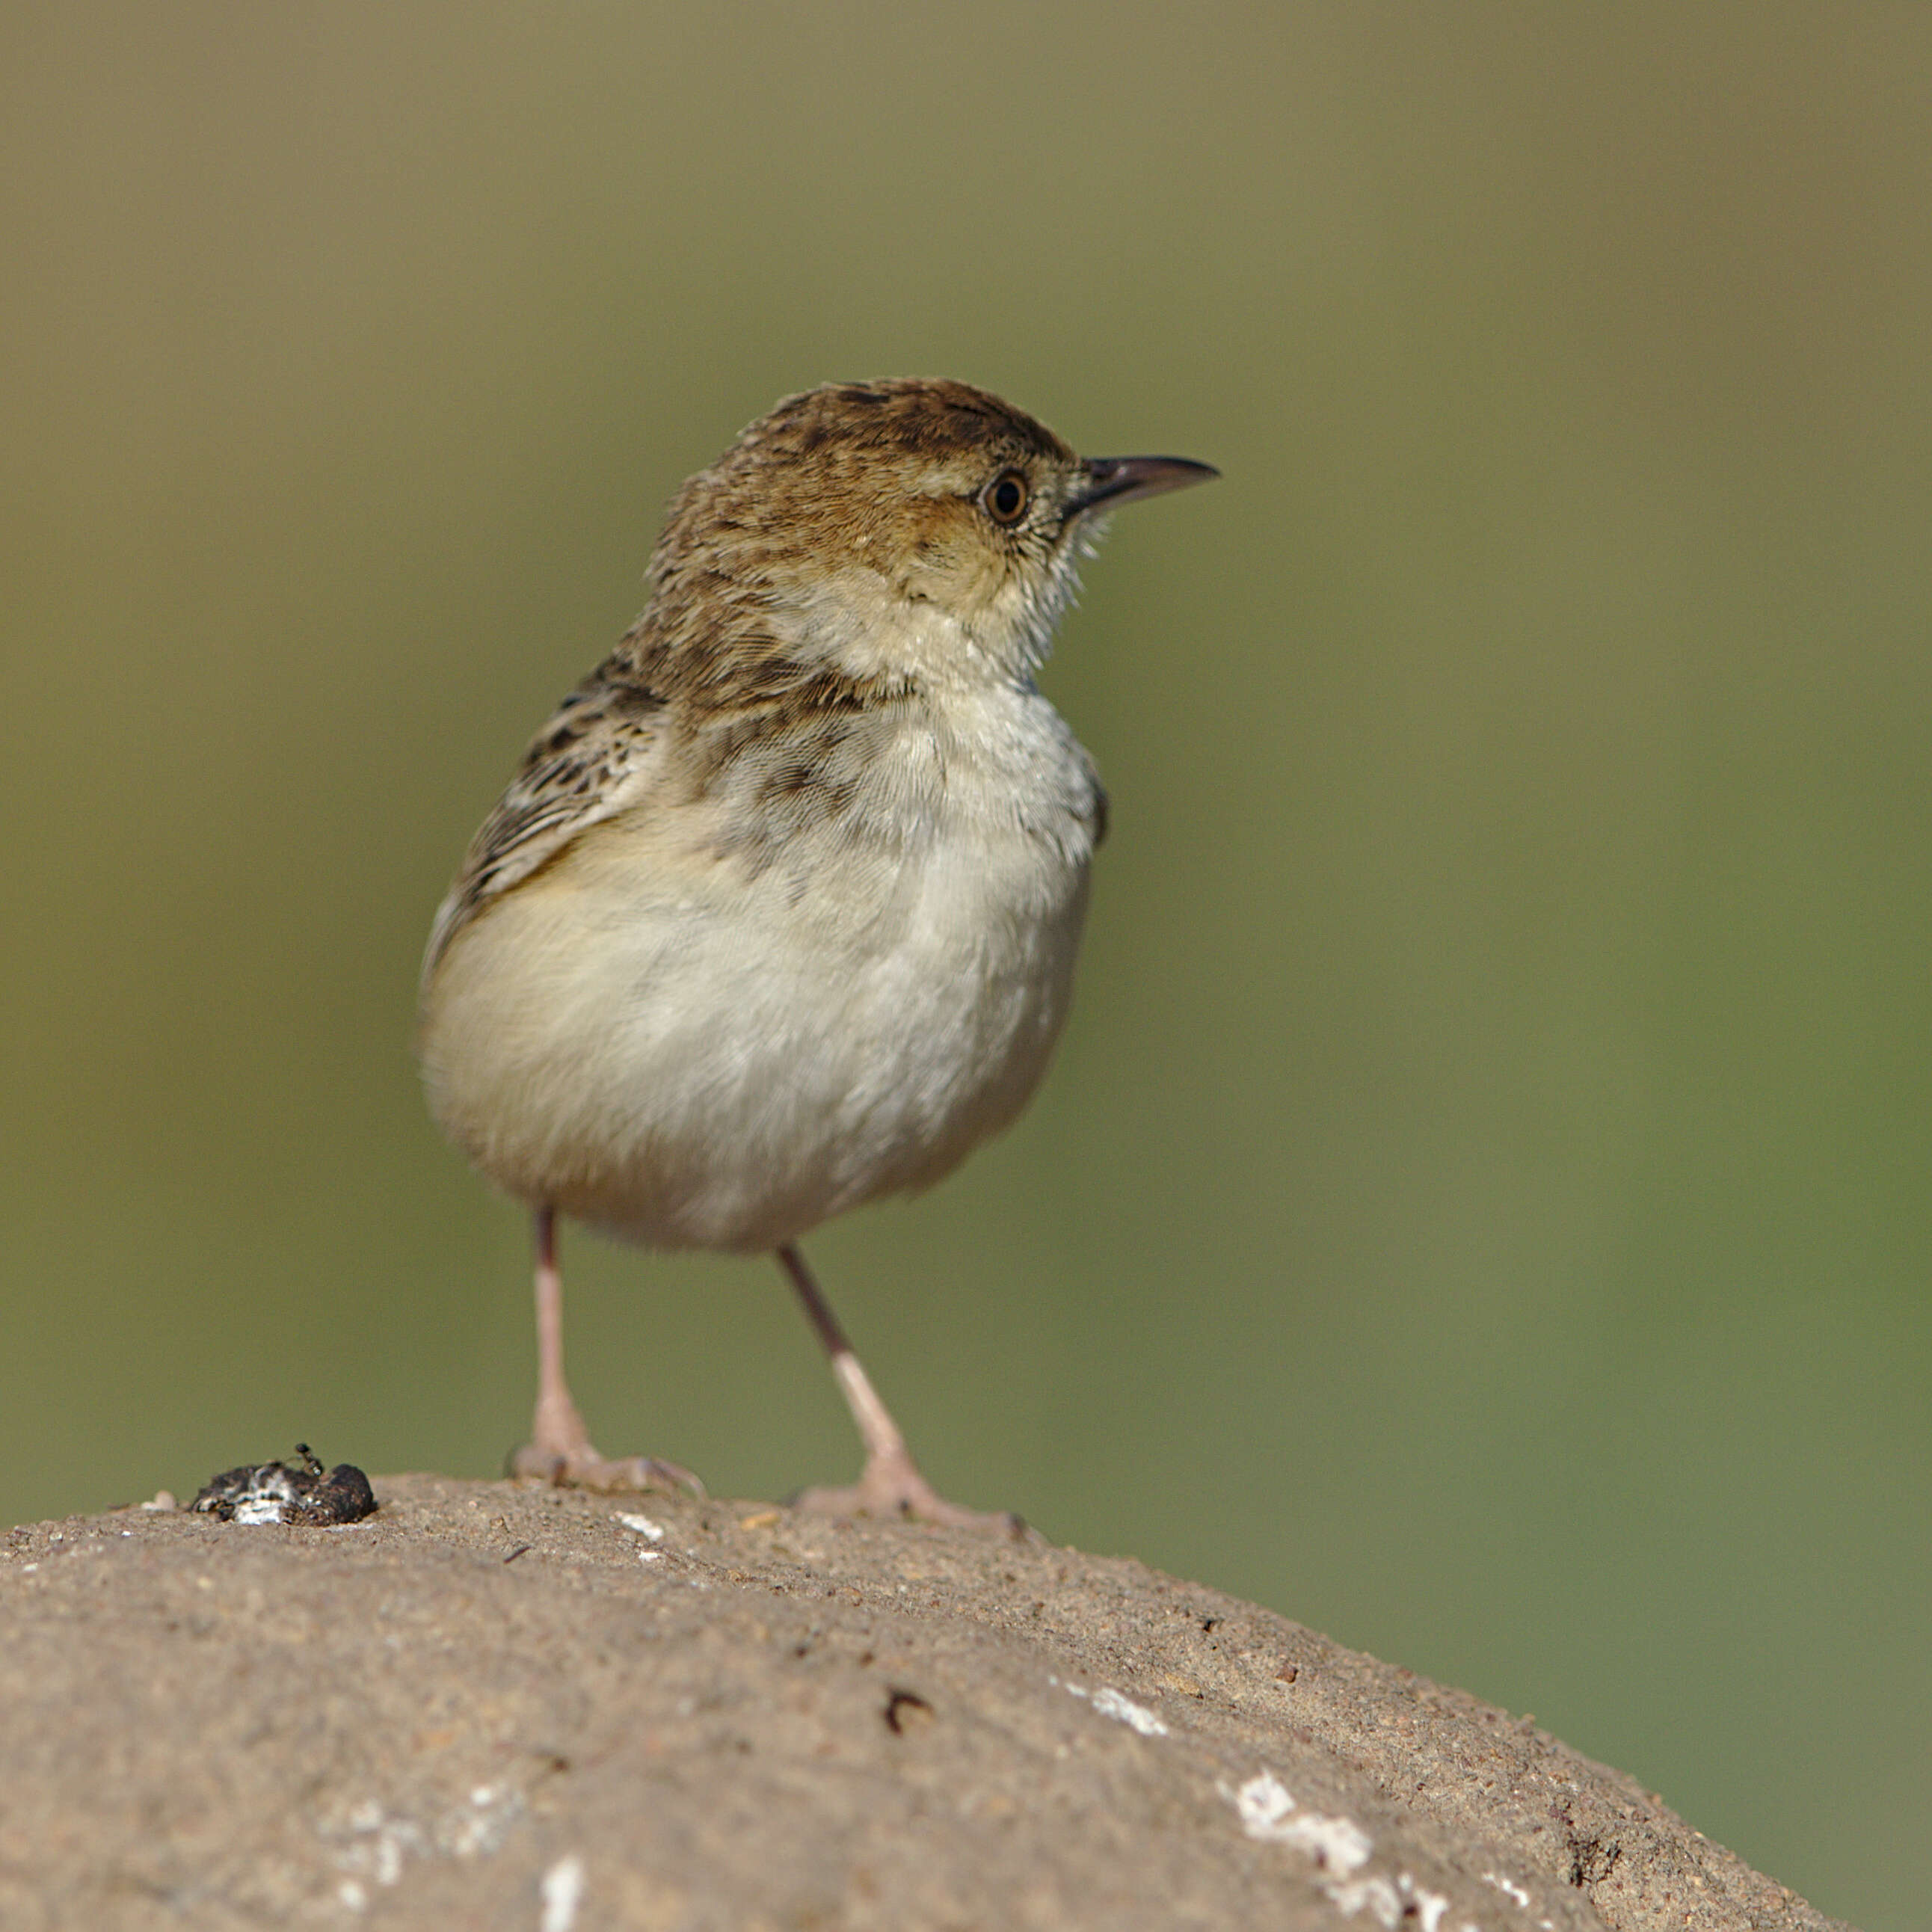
point(1114, 480)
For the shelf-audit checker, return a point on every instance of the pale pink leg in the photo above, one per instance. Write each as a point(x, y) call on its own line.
point(890, 1484)
point(559, 1449)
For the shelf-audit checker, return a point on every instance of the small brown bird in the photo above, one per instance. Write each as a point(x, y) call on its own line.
point(779, 914)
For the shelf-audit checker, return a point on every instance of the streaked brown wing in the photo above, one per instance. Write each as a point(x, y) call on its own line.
point(586, 765)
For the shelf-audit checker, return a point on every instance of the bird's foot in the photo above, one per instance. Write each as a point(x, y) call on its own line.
point(560, 1451)
point(584, 1469)
point(892, 1486)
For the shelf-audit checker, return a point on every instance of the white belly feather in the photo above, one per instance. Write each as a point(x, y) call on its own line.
point(695, 1051)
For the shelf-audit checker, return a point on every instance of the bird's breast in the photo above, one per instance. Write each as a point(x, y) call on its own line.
point(718, 1027)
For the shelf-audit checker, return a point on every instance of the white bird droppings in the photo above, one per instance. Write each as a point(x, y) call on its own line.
point(1110, 1703)
point(1375, 1896)
point(1341, 1847)
point(1268, 1811)
point(1429, 1906)
point(562, 1891)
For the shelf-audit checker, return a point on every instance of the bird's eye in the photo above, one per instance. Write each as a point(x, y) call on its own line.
point(1004, 498)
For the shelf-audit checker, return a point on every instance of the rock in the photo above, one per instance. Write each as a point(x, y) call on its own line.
point(497, 1704)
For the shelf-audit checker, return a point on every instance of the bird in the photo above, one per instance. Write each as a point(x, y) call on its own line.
point(779, 915)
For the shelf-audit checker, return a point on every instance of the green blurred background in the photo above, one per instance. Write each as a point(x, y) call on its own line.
point(1480, 1207)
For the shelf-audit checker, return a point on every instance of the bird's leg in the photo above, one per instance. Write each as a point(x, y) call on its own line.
point(890, 1484)
point(559, 1449)
point(557, 1432)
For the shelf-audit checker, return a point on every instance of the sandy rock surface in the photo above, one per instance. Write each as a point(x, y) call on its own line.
point(498, 1706)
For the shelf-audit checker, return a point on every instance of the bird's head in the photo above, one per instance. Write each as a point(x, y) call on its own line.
point(909, 531)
